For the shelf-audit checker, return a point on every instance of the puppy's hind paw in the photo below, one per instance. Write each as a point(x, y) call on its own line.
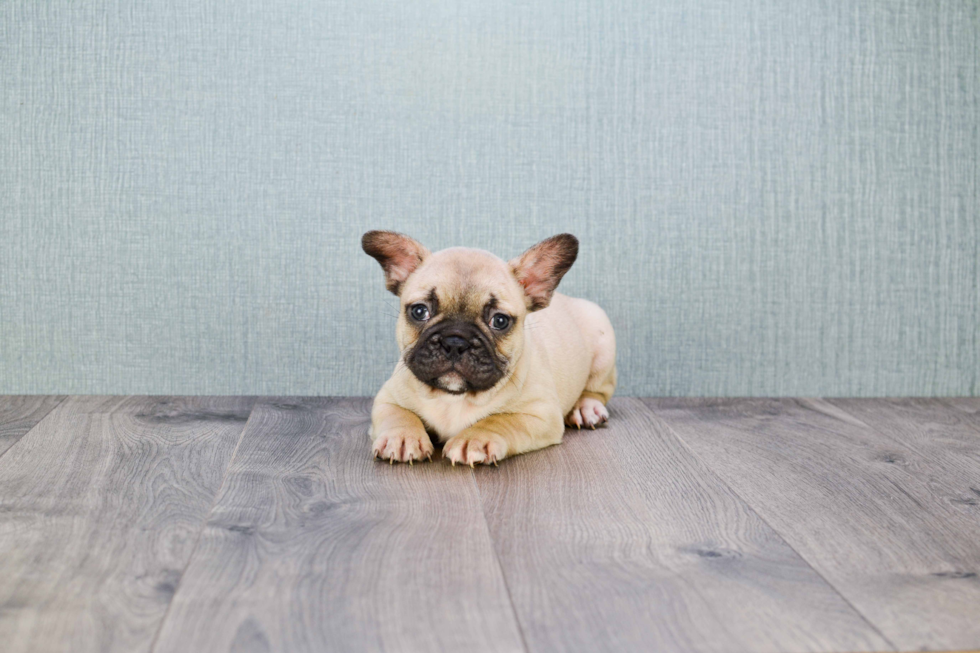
point(587, 412)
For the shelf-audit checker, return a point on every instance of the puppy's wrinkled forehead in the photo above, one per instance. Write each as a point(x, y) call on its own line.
point(464, 280)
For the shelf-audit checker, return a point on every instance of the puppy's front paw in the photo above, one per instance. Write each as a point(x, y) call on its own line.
point(475, 447)
point(587, 412)
point(403, 445)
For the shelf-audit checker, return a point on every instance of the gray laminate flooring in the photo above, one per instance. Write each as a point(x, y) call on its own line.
point(244, 524)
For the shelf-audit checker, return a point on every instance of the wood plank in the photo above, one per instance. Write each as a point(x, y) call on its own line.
point(312, 546)
point(619, 539)
point(946, 445)
point(19, 414)
point(100, 506)
point(969, 405)
point(870, 513)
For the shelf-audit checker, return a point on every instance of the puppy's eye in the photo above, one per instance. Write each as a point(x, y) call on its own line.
point(499, 322)
point(419, 312)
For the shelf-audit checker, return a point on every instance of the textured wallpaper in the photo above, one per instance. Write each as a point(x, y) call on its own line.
point(774, 197)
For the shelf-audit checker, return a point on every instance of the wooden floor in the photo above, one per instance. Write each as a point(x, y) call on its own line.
point(241, 524)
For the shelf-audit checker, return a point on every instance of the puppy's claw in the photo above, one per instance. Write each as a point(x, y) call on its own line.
point(391, 461)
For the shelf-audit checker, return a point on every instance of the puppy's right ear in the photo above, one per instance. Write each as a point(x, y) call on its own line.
point(398, 255)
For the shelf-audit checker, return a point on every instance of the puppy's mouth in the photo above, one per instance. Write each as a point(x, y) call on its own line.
point(456, 357)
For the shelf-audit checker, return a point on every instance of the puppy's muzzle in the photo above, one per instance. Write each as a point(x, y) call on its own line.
point(456, 348)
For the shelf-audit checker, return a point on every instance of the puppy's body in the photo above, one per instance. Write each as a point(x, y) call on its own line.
point(489, 392)
point(567, 325)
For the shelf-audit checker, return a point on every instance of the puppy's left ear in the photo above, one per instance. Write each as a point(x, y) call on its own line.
point(540, 268)
point(398, 255)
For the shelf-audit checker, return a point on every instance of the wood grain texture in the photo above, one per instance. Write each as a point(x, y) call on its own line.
point(314, 546)
point(969, 405)
point(620, 539)
point(946, 448)
point(871, 513)
point(19, 414)
point(100, 507)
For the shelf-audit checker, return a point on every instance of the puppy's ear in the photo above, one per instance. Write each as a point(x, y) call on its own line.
point(540, 268)
point(398, 255)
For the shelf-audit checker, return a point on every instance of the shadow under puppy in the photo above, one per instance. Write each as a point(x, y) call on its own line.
point(493, 361)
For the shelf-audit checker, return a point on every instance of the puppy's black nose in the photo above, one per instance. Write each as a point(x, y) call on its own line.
point(454, 346)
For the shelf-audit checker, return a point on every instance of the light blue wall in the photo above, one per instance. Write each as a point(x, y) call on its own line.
point(774, 197)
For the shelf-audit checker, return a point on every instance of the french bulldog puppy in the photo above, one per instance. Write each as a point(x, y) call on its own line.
point(493, 361)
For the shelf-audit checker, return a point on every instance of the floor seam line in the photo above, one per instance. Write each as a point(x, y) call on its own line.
point(204, 525)
point(782, 538)
point(38, 423)
point(500, 566)
point(885, 435)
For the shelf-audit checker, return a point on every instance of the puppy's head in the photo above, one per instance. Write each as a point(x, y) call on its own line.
point(461, 323)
